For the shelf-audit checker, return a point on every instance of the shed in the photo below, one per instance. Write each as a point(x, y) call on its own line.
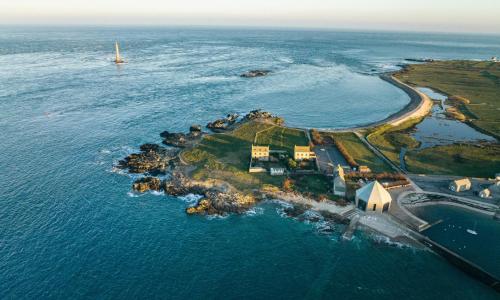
point(277, 171)
point(486, 193)
point(460, 185)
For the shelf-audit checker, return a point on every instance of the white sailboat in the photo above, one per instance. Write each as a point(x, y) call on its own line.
point(118, 59)
point(473, 231)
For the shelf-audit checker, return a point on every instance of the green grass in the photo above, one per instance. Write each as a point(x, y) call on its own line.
point(390, 139)
point(458, 159)
point(360, 152)
point(226, 156)
point(282, 138)
point(476, 81)
point(316, 185)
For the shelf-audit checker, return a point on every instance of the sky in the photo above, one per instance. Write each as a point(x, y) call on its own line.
point(412, 15)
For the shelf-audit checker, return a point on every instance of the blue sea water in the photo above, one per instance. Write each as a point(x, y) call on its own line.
point(69, 226)
point(451, 231)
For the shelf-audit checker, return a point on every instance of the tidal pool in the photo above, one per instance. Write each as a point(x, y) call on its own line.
point(438, 130)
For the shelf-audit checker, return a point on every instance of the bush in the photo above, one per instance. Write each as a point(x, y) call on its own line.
point(292, 164)
point(316, 137)
point(288, 185)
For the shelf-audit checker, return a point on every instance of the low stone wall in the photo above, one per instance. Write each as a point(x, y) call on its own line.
point(257, 170)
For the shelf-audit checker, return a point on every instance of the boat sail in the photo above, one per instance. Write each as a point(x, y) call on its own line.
point(118, 59)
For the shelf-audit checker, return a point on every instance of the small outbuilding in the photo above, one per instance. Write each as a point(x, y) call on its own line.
point(460, 185)
point(486, 193)
point(277, 171)
point(373, 197)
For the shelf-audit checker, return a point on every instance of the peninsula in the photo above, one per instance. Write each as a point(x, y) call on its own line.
point(370, 176)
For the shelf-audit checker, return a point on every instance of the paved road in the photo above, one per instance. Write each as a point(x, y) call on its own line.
point(328, 157)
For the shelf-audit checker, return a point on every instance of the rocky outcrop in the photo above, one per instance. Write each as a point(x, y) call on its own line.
point(153, 159)
point(220, 203)
point(218, 198)
point(258, 114)
point(263, 116)
point(147, 184)
point(180, 185)
point(223, 124)
point(195, 129)
point(181, 140)
point(255, 73)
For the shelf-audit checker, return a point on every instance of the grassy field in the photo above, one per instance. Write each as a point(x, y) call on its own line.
point(226, 156)
point(462, 160)
point(478, 82)
point(360, 152)
point(316, 185)
point(281, 138)
point(390, 139)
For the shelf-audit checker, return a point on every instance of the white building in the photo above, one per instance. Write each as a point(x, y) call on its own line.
point(373, 197)
point(277, 171)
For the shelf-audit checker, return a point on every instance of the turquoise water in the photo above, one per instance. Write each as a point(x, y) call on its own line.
point(69, 228)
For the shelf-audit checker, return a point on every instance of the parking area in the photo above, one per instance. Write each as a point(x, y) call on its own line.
point(328, 157)
point(440, 184)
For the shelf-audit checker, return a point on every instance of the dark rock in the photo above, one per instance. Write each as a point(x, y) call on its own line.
point(179, 185)
point(334, 217)
point(224, 123)
point(216, 202)
point(152, 159)
point(150, 147)
point(195, 128)
point(255, 73)
point(295, 210)
point(258, 114)
point(146, 184)
point(180, 140)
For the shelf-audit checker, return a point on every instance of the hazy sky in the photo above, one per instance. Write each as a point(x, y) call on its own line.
point(426, 15)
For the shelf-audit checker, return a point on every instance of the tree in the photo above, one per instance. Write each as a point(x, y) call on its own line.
point(288, 185)
point(292, 164)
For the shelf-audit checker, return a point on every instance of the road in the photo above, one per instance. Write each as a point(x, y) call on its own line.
point(328, 157)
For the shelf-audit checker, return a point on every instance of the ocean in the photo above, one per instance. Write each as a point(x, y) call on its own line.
point(70, 226)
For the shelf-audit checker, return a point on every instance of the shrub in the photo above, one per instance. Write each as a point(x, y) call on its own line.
point(288, 185)
point(316, 137)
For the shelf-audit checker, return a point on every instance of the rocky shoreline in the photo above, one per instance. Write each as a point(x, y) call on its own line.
point(218, 198)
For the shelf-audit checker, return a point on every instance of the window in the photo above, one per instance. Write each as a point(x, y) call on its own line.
point(374, 207)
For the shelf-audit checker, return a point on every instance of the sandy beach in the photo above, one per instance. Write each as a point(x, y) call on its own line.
point(420, 105)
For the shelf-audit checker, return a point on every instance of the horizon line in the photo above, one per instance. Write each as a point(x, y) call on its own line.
point(249, 26)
